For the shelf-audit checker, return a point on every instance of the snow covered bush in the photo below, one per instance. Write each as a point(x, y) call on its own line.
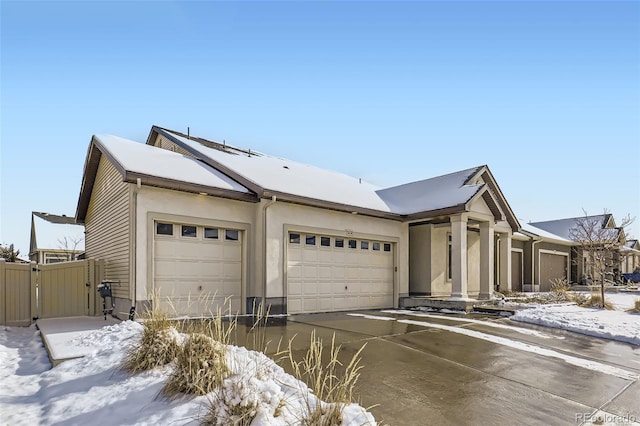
point(200, 367)
point(159, 345)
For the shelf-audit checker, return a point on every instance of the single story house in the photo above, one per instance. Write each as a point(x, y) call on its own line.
point(55, 238)
point(189, 223)
point(540, 257)
point(630, 257)
point(602, 230)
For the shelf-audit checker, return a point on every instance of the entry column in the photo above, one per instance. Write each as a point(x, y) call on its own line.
point(505, 261)
point(459, 256)
point(487, 253)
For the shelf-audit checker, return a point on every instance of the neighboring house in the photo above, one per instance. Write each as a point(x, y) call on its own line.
point(182, 219)
point(582, 269)
point(55, 238)
point(630, 257)
point(543, 257)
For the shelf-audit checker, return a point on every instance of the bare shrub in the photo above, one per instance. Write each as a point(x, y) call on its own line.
point(559, 285)
point(159, 344)
point(636, 307)
point(595, 301)
point(329, 379)
point(200, 367)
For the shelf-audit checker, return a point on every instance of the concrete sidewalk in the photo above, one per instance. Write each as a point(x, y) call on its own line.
point(61, 336)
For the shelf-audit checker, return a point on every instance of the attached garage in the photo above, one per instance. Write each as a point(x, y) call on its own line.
point(197, 269)
point(327, 273)
point(553, 265)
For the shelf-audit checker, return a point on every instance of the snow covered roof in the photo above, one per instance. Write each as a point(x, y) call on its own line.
point(155, 167)
point(545, 235)
point(50, 232)
point(431, 194)
point(280, 176)
point(632, 244)
point(563, 227)
point(138, 158)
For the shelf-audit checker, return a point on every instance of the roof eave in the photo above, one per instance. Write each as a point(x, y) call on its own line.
point(313, 202)
point(159, 182)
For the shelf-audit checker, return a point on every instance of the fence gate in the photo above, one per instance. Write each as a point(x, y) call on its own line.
point(15, 294)
point(67, 289)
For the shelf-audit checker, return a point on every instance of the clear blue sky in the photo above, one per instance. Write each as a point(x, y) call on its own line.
point(547, 93)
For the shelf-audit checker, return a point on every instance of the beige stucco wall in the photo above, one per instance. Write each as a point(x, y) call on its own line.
point(181, 207)
point(286, 216)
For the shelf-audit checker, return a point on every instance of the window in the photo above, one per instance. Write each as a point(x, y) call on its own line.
point(364, 245)
point(294, 238)
point(211, 233)
point(449, 256)
point(339, 242)
point(231, 235)
point(387, 247)
point(164, 228)
point(353, 244)
point(310, 240)
point(376, 246)
point(325, 241)
point(189, 231)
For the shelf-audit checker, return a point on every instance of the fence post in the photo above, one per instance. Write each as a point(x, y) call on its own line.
point(35, 311)
point(3, 293)
point(91, 265)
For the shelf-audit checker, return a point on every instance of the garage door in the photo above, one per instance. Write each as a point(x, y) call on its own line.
point(327, 273)
point(197, 268)
point(516, 271)
point(552, 266)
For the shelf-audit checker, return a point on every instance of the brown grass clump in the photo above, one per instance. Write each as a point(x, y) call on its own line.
point(329, 380)
point(636, 307)
point(200, 367)
point(158, 346)
point(595, 301)
point(560, 285)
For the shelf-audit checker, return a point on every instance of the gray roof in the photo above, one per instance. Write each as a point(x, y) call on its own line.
point(54, 218)
point(563, 227)
point(433, 194)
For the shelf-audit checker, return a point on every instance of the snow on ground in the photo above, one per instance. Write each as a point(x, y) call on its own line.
point(614, 325)
point(94, 390)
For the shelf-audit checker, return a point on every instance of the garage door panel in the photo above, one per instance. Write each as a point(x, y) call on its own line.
point(232, 251)
point(194, 276)
point(316, 280)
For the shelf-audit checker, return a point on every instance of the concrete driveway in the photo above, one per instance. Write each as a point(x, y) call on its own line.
point(472, 369)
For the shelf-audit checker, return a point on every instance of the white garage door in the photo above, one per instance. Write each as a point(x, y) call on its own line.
point(326, 273)
point(197, 268)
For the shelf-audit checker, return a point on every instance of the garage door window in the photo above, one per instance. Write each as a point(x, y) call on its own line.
point(211, 233)
point(325, 241)
point(364, 245)
point(189, 231)
point(164, 228)
point(311, 240)
point(339, 243)
point(376, 246)
point(387, 247)
point(353, 244)
point(294, 238)
point(231, 235)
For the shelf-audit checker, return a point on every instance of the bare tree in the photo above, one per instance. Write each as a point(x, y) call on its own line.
point(598, 243)
point(8, 253)
point(69, 245)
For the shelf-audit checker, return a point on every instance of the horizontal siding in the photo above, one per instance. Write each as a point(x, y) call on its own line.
point(165, 143)
point(107, 226)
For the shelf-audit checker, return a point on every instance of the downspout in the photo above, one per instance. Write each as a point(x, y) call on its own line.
point(533, 261)
point(134, 234)
point(264, 247)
